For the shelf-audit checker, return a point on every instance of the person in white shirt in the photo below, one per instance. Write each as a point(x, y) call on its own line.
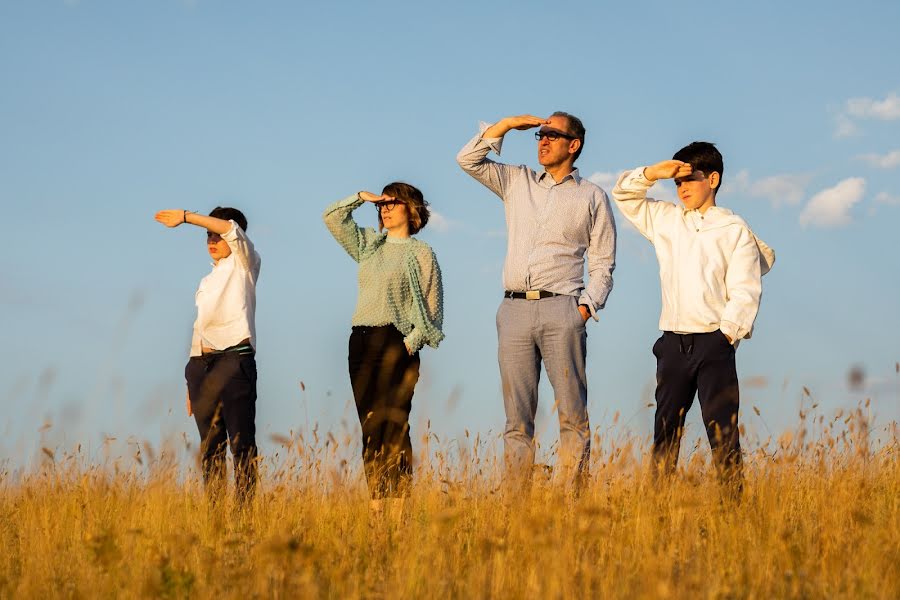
point(221, 371)
point(710, 269)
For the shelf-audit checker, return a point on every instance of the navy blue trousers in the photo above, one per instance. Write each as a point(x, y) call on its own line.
point(222, 389)
point(700, 364)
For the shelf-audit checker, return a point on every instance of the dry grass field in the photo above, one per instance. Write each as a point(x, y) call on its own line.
point(819, 519)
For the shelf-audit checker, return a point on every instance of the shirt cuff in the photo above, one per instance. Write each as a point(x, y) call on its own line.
point(730, 329)
point(586, 300)
point(232, 234)
point(353, 201)
point(495, 144)
point(637, 177)
point(414, 341)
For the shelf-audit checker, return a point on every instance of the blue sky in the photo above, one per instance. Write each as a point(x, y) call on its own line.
point(110, 111)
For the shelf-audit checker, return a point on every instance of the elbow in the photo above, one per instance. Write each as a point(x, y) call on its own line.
point(465, 162)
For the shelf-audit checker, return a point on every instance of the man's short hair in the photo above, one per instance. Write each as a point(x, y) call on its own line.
point(703, 156)
point(576, 128)
point(227, 213)
point(415, 203)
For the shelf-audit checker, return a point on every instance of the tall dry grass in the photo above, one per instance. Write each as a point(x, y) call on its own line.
point(819, 518)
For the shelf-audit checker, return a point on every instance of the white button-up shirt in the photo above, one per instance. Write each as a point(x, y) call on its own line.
point(710, 264)
point(226, 298)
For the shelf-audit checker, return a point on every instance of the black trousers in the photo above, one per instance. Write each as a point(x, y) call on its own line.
point(222, 389)
point(383, 376)
point(701, 364)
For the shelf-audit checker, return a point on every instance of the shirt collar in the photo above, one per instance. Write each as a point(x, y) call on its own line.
point(396, 240)
point(712, 211)
point(574, 176)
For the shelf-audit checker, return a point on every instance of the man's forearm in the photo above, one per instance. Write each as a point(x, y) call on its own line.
point(497, 130)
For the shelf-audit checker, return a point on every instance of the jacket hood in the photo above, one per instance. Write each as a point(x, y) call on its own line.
point(766, 256)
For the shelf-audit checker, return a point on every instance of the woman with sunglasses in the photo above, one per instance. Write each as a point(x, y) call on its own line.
point(399, 309)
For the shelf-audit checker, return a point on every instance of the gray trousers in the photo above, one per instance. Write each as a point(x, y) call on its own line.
point(551, 330)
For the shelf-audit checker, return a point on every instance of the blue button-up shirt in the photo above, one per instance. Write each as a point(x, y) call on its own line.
point(550, 225)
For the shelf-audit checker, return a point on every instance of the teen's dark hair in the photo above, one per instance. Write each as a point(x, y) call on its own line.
point(576, 128)
point(230, 214)
point(414, 201)
point(703, 156)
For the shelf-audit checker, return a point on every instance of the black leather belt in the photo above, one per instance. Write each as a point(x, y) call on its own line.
point(530, 294)
point(239, 349)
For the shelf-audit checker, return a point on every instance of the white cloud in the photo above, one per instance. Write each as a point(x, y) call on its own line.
point(831, 207)
point(882, 110)
point(845, 127)
point(740, 181)
point(605, 180)
point(439, 223)
point(889, 199)
point(891, 160)
point(883, 199)
point(786, 188)
point(783, 189)
point(855, 109)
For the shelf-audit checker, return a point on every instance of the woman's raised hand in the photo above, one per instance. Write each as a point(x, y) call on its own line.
point(171, 218)
point(370, 197)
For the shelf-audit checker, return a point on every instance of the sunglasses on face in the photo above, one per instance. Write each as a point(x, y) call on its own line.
point(695, 176)
point(387, 205)
point(213, 237)
point(552, 135)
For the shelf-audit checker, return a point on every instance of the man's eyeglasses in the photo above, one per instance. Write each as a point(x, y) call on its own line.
point(552, 135)
point(212, 236)
point(387, 205)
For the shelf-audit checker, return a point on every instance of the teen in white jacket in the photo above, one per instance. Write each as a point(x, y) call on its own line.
point(710, 269)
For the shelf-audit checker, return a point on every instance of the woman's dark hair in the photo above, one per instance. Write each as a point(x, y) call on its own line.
point(414, 201)
point(703, 156)
point(227, 213)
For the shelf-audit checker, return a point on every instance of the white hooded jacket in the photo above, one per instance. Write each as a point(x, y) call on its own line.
point(710, 265)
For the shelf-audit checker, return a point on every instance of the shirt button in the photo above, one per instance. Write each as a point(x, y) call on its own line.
point(698, 231)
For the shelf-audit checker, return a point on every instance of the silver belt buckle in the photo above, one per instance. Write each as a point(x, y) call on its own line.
point(533, 295)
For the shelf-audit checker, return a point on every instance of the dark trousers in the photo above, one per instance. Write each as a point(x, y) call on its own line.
point(383, 376)
point(222, 389)
point(701, 364)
